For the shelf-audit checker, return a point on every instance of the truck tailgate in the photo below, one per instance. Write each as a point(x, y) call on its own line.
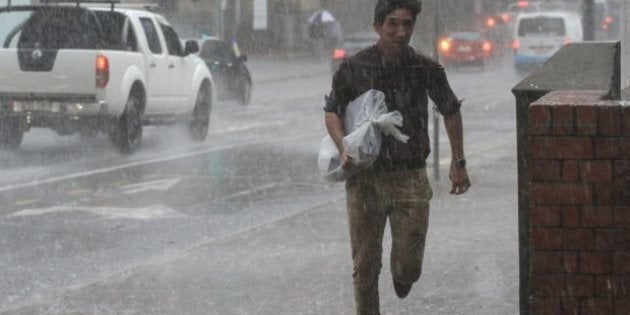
point(73, 73)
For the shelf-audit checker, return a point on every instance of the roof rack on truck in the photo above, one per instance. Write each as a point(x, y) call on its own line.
point(151, 6)
point(79, 2)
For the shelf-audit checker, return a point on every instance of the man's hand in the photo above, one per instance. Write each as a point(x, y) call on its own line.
point(346, 161)
point(459, 178)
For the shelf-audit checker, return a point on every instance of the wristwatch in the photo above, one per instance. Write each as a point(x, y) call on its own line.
point(460, 162)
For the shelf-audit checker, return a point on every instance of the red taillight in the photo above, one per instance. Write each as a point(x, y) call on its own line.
point(339, 53)
point(445, 45)
point(523, 4)
point(102, 71)
point(516, 44)
point(486, 47)
point(505, 18)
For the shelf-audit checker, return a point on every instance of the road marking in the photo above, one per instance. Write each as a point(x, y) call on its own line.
point(25, 202)
point(254, 190)
point(254, 125)
point(161, 184)
point(144, 213)
point(153, 161)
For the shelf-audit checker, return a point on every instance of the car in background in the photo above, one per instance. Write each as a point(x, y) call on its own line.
point(350, 46)
point(540, 35)
point(229, 71)
point(465, 48)
point(606, 20)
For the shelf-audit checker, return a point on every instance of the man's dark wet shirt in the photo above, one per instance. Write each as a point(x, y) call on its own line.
point(407, 83)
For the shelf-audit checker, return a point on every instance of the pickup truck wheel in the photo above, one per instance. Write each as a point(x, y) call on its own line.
point(11, 132)
point(200, 119)
point(128, 133)
point(245, 93)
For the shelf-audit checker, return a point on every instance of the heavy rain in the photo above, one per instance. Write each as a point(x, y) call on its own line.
point(161, 157)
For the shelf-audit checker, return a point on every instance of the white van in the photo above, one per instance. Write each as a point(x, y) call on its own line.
point(537, 36)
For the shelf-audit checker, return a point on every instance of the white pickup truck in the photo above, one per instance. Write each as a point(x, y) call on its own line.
point(89, 69)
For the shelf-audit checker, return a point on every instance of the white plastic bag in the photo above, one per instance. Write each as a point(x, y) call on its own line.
point(329, 162)
point(365, 118)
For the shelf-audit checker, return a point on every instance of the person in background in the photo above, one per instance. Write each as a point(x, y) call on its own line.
point(325, 28)
point(396, 187)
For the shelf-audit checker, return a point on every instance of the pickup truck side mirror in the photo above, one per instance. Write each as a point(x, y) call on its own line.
point(191, 47)
point(242, 58)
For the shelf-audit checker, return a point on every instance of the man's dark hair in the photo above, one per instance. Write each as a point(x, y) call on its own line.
point(385, 7)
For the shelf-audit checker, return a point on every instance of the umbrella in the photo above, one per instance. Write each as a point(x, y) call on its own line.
point(321, 16)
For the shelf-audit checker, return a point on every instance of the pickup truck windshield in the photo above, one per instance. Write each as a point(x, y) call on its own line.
point(64, 28)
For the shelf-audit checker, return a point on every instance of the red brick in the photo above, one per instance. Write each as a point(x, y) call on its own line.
point(622, 218)
point(544, 305)
point(622, 306)
point(547, 238)
point(569, 217)
point(544, 216)
point(622, 241)
point(562, 119)
point(539, 119)
point(585, 239)
point(586, 120)
point(604, 195)
point(570, 262)
point(546, 262)
point(560, 194)
point(547, 285)
point(544, 170)
point(595, 306)
point(595, 262)
point(579, 285)
point(609, 120)
point(596, 171)
point(621, 167)
point(608, 148)
point(596, 217)
point(621, 264)
point(626, 147)
point(570, 171)
point(570, 305)
point(561, 147)
point(608, 286)
point(605, 240)
point(626, 121)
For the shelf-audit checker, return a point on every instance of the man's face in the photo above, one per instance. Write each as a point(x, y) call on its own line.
point(396, 31)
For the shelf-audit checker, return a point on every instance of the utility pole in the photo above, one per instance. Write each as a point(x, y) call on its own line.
point(625, 47)
point(588, 19)
point(217, 17)
point(436, 118)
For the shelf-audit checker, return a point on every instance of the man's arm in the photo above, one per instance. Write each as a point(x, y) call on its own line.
point(458, 174)
point(336, 130)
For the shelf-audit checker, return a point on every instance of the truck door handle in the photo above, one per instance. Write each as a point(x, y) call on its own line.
point(152, 64)
point(171, 66)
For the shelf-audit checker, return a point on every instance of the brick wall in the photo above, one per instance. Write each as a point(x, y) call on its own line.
point(578, 188)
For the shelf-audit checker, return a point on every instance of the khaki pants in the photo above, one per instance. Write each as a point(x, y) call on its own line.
point(372, 197)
